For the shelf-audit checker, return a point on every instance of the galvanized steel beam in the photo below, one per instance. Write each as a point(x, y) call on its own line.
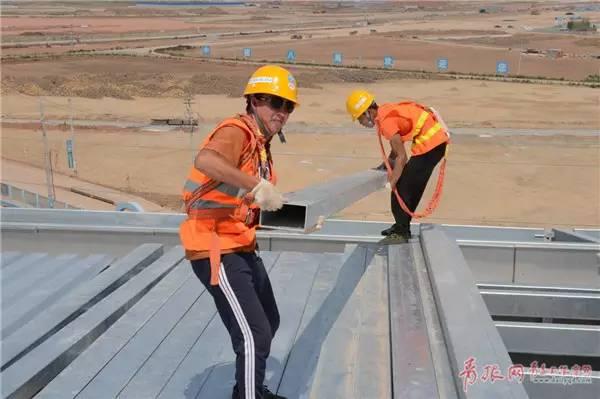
point(437, 342)
point(554, 305)
point(307, 208)
point(412, 367)
point(564, 235)
point(471, 336)
point(550, 339)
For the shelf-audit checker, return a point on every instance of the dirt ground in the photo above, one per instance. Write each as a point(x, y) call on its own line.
point(158, 88)
point(519, 180)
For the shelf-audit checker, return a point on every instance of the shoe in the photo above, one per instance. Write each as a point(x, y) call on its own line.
point(394, 238)
point(267, 394)
point(395, 229)
point(388, 231)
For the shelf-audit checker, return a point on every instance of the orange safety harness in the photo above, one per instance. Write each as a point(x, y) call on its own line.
point(435, 198)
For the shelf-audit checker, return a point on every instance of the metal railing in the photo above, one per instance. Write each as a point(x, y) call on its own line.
point(15, 197)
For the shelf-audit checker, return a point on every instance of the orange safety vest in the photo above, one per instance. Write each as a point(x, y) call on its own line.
point(218, 215)
point(427, 132)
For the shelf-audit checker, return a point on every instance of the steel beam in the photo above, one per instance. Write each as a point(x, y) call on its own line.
point(307, 208)
point(471, 336)
point(444, 373)
point(168, 223)
point(412, 368)
point(542, 263)
point(556, 305)
point(539, 288)
point(550, 339)
point(564, 235)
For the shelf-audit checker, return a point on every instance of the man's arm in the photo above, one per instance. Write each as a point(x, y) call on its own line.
point(215, 166)
point(400, 158)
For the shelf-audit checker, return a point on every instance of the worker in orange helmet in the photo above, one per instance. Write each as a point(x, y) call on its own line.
point(399, 123)
point(231, 180)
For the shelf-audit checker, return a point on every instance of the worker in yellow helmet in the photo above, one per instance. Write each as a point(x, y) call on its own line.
point(400, 123)
point(231, 180)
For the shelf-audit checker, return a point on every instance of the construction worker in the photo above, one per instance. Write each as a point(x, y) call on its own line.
point(399, 123)
point(231, 179)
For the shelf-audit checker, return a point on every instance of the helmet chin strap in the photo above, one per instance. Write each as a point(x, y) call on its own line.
point(369, 118)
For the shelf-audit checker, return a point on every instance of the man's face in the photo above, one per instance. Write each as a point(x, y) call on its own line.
point(367, 119)
point(273, 111)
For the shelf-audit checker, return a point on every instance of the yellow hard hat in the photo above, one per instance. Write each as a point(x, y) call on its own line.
point(275, 80)
point(357, 103)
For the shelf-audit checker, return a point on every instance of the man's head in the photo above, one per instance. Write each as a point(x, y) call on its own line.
point(271, 95)
point(361, 106)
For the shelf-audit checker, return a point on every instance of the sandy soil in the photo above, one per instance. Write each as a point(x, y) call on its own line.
point(218, 87)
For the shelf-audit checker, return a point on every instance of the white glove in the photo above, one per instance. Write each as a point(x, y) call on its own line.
point(266, 196)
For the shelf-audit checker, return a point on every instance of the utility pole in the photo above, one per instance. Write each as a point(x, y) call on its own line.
point(190, 121)
point(520, 55)
point(71, 142)
point(47, 160)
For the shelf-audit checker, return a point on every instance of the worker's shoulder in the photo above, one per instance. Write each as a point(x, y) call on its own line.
point(232, 129)
point(391, 110)
point(233, 126)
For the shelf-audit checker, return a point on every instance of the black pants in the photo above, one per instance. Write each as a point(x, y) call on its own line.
point(245, 302)
point(412, 183)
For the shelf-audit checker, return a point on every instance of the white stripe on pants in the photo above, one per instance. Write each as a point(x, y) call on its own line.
point(246, 332)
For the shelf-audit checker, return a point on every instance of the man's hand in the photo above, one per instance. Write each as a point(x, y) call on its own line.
point(266, 196)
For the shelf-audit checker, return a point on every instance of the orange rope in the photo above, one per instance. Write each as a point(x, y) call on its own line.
point(435, 198)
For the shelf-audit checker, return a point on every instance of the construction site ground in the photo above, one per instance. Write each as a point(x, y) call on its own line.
point(526, 177)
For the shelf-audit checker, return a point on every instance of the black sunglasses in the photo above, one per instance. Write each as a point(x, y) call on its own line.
point(277, 103)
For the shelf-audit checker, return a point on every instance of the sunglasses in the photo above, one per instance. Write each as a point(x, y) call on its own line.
point(277, 103)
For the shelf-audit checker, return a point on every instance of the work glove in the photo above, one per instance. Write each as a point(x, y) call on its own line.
point(266, 196)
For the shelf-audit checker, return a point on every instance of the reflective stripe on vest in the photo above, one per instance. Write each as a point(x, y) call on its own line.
point(419, 125)
point(428, 134)
point(224, 188)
